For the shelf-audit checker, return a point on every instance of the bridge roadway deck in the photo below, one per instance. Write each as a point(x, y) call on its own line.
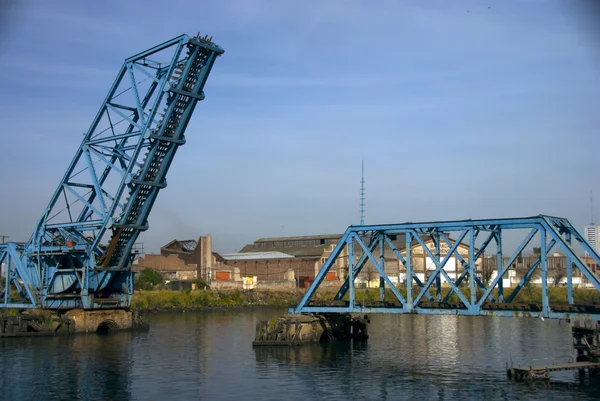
point(558, 311)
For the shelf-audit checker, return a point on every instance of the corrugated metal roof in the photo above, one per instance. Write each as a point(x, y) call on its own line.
point(289, 250)
point(256, 255)
point(300, 238)
point(189, 245)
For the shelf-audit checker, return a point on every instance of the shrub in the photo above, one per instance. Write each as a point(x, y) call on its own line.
point(148, 278)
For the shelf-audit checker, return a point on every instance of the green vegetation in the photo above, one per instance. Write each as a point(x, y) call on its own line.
point(148, 278)
point(528, 294)
point(201, 299)
point(9, 312)
point(144, 300)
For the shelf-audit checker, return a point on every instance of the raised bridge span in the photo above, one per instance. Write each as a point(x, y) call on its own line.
point(460, 288)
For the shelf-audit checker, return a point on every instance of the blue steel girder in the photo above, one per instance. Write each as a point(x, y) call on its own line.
point(478, 297)
point(81, 248)
point(17, 290)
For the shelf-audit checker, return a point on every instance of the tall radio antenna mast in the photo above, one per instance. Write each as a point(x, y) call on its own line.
point(592, 223)
point(362, 195)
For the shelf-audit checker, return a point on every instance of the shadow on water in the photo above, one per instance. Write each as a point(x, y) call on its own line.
point(323, 354)
point(88, 367)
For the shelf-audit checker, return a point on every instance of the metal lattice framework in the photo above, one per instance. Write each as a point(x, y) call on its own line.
point(466, 293)
point(80, 253)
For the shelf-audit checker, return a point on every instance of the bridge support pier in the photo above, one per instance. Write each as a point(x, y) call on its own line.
point(101, 321)
point(586, 341)
point(302, 329)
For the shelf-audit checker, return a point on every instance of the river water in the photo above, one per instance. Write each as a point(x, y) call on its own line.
point(209, 356)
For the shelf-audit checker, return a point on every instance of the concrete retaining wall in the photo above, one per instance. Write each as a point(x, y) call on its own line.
point(99, 320)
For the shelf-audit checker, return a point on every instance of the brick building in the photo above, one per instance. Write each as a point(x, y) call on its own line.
point(182, 260)
point(272, 259)
point(288, 258)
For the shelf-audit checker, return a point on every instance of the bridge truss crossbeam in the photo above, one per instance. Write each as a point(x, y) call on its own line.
point(459, 288)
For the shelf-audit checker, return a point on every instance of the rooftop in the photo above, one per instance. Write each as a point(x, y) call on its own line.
point(301, 238)
point(188, 245)
point(256, 255)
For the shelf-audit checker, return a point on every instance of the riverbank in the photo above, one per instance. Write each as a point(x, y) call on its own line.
point(168, 300)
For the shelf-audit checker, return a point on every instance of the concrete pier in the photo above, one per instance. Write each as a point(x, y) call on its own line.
point(48, 323)
point(101, 321)
point(34, 323)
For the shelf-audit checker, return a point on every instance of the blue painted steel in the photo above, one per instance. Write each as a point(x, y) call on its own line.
point(473, 298)
point(80, 253)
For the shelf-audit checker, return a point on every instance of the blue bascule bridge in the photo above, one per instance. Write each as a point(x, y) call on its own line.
point(79, 255)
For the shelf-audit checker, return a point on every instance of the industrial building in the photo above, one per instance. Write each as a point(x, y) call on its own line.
point(295, 261)
point(184, 260)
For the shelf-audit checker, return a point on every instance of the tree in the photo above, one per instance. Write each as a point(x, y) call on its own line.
point(148, 278)
point(559, 274)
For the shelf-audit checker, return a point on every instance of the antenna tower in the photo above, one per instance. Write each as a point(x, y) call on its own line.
point(362, 195)
point(592, 223)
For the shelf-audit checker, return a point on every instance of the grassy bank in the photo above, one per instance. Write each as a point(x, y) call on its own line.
point(156, 300)
point(189, 300)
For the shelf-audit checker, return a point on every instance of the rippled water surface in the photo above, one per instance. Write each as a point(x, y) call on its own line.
point(208, 356)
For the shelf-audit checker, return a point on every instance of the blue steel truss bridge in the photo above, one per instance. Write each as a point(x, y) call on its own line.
point(80, 252)
point(460, 288)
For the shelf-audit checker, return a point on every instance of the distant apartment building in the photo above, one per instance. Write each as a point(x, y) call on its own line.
point(592, 236)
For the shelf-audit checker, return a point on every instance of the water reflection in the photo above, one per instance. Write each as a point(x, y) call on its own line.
point(87, 367)
point(413, 356)
point(208, 356)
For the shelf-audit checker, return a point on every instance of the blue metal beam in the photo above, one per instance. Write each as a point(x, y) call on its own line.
point(552, 231)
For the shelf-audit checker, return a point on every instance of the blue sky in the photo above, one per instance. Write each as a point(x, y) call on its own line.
point(487, 113)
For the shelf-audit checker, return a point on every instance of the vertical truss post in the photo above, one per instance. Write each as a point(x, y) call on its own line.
point(438, 278)
point(382, 263)
point(6, 281)
point(472, 266)
point(569, 268)
point(409, 272)
point(498, 236)
point(543, 257)
point(351, 270)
